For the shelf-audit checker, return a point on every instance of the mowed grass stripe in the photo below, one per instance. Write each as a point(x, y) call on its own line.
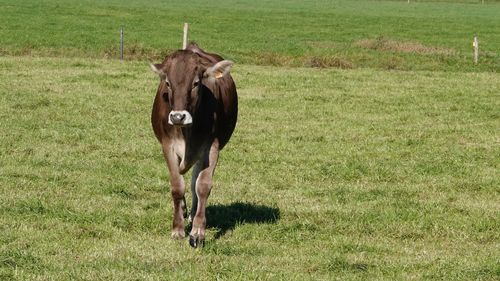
point(423, 35)
point(331, 174)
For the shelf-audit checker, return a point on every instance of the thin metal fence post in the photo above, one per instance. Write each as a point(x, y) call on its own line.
point(121, 43)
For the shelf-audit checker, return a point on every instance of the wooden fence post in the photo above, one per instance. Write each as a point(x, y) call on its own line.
point(185, 37)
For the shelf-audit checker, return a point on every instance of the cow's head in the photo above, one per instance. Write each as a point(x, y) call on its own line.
point(183, 75)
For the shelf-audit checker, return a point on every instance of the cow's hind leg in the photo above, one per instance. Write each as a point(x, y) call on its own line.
point(203, 186)
point(196, 172)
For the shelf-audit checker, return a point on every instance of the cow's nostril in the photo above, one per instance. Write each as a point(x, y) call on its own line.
point(177, 118)
point(180, 118)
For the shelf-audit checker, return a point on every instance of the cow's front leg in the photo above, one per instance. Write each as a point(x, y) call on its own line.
point(203, 187)
point(177, 190)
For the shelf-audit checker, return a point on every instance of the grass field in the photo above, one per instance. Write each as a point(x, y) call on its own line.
point(331, 174)
point(322, 33)
point(338, 169)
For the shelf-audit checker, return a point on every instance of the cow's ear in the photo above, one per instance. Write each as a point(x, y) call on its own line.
point(218, 70)
point(157, 68)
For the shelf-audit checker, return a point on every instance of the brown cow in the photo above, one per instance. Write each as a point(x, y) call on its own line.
point(194, 115)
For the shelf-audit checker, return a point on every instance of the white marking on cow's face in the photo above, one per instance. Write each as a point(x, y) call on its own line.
point(180, 118)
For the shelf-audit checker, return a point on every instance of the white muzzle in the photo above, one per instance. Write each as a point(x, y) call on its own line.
point(180, 118)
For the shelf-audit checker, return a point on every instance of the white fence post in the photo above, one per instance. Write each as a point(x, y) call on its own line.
point(476, 49)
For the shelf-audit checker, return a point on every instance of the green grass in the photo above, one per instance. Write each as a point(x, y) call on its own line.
point(343, 34)
point(331, 174)
point(346, 173)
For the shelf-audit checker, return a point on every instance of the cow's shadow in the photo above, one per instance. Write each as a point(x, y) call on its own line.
point(225, 218)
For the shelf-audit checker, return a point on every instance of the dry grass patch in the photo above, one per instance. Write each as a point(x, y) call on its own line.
point(137, 51)
point(389, 45)
point(325, 44)
point(327, 62)
point(274, 59)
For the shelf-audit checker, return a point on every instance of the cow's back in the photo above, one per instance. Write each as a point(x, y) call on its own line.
point(227, 109)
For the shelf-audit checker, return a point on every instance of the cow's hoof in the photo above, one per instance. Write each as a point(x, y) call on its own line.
point(178, 235)
point(195, 241)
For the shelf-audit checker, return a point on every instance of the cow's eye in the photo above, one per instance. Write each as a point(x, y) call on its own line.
point(167, 83)
point(195, 84)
